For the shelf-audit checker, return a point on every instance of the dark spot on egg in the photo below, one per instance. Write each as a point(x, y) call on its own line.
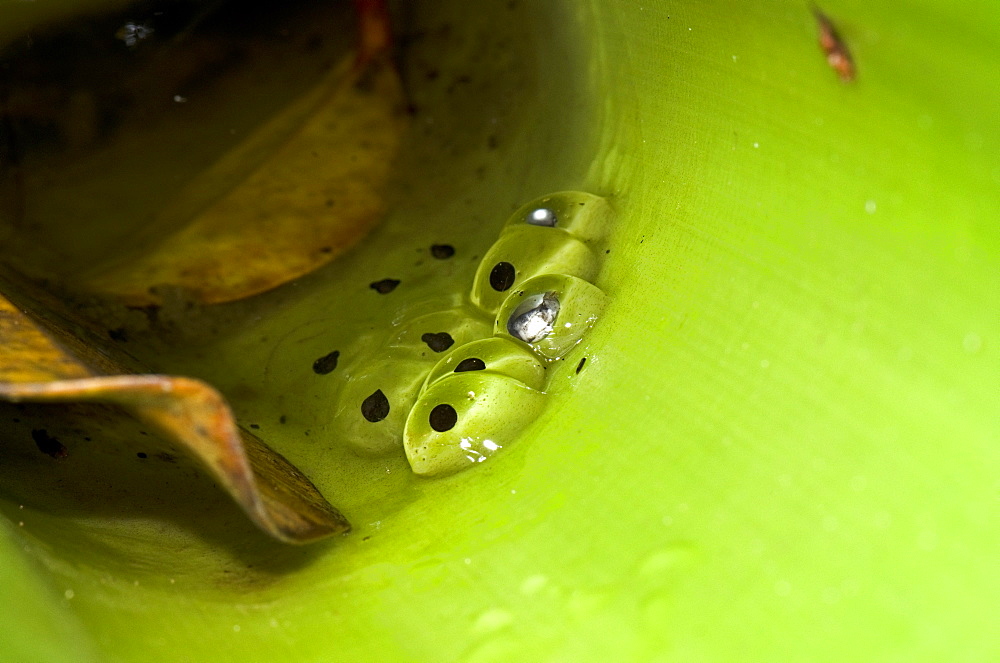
point(442, 251)
point(326, 363)
point(375, 408)
point(470, 364)
point(438, 342)
point(502, 276)
point(443, 418)
point(385, 286)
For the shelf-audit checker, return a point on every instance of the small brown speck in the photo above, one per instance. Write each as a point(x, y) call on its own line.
point(837, 55)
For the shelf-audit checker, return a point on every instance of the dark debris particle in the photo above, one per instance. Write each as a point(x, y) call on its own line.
point(385, 286)
point(438, 342)
point(326, 363)
point(142, 455)
point(442, 251)
point(375, 408)
point(47, 444)
point(502, 276)
point(255, 426)
point(119, 334)
point(283, 419)
point(470, 364)
point(443, 417)
point(579, 367)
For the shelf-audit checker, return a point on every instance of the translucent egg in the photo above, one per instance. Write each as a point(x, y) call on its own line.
point(525, 251)
point(431, 334)
point(496, 355)
point(464, 418)
point(583, 215)
point(373, 404)
point(550, 313)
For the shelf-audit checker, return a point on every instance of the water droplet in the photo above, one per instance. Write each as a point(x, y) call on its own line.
point(870, 206)
point(663, 561)
point(69, 594)
point(492, 621)
point(533, 584)
point(972, 343)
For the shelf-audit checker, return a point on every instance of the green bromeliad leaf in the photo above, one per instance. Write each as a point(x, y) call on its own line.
point(781, 445)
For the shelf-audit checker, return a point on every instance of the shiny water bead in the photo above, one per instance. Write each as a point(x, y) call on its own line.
point(584, 215)
point(430, 334)
point(496, 354)
point(464, 418)
point(525, 251)
point(542, 216)
point(372, 405)
point(550, 313)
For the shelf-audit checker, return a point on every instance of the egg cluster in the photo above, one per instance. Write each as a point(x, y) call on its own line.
point(484, 379)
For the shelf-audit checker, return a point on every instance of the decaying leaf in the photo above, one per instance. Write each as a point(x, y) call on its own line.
point(42, 364)
point(298, 192)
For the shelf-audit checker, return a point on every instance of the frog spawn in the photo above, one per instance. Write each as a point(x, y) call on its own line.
point(453, 393)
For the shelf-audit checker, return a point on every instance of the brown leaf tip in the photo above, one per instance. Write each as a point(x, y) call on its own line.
point(837, 55)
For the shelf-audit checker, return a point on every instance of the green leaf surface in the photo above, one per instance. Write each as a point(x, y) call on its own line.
point(783, 444)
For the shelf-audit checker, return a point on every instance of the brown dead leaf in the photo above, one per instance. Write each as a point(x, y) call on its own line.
point(34, 367)
point(298, 192)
